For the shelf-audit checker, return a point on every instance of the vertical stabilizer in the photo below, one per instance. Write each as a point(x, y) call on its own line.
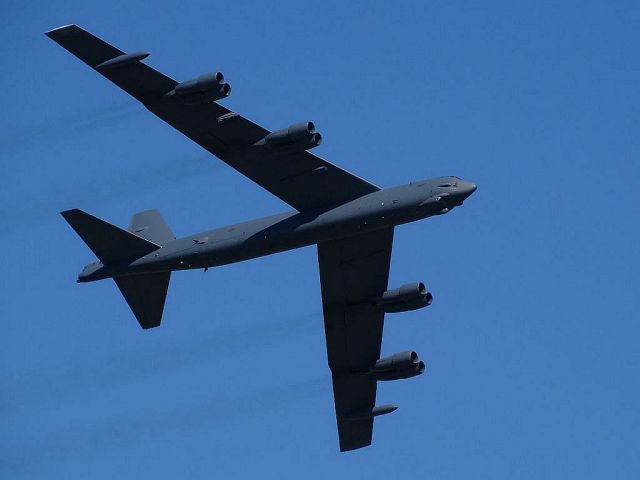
point(151, 226)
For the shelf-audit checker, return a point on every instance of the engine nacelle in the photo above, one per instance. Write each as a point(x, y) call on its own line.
point(411, 296)
point(398, 366)
point(205, 88)
point(297, 137)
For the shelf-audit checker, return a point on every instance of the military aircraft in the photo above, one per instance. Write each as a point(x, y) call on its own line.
point(351, 221)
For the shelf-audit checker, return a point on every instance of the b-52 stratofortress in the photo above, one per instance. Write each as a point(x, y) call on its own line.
point(349, 219)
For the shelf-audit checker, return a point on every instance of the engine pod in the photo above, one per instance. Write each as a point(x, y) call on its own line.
point(399, 366)
point(295, 138)
point(200, 84)
point(205, 88)
point(410, 296)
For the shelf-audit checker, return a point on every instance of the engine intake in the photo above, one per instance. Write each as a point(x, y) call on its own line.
point(398, 366)
point(297, 137)
point(410, 296)
point(205, 88)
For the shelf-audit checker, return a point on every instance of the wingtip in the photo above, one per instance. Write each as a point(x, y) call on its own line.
point(352, 447)
point(62, 30)
point(68, 213)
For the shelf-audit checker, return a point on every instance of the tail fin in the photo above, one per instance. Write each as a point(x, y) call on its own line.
point(108, 242)
point(151, 226)
point(145, 294)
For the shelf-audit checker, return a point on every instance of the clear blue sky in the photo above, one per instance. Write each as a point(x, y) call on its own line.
point(532, 340)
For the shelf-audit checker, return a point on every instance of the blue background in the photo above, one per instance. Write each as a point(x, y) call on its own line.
point(531, 343)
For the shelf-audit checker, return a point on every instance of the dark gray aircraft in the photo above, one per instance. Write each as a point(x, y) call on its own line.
point(350, 220)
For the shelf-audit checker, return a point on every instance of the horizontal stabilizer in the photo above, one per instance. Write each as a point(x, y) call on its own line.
point(109, 243)
point(145, 294)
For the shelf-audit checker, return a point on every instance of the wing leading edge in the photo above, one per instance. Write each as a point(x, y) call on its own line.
point(353, 271)
point(301, 179)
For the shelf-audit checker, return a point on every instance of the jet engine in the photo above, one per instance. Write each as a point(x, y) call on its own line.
point(398, 366)
point(205, 88)
point(411, 296)
point(297, 137)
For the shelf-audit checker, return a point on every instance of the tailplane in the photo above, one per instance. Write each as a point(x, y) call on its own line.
point(145, 293)
point(110, 243)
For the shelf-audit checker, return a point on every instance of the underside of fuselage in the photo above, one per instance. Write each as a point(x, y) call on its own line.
point(286, 231)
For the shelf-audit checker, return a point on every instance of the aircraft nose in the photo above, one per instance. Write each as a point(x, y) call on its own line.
point(463, 190)
point(468, 188)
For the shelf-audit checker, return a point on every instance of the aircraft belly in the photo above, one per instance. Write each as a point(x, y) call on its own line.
point(274, 234)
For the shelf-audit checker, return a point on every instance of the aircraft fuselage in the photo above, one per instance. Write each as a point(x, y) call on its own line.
point(286, 231)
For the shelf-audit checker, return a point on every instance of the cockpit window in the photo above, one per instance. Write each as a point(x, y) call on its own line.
point(446, 185)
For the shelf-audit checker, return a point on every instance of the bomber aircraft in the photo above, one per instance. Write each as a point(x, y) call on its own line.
point(349, 219)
